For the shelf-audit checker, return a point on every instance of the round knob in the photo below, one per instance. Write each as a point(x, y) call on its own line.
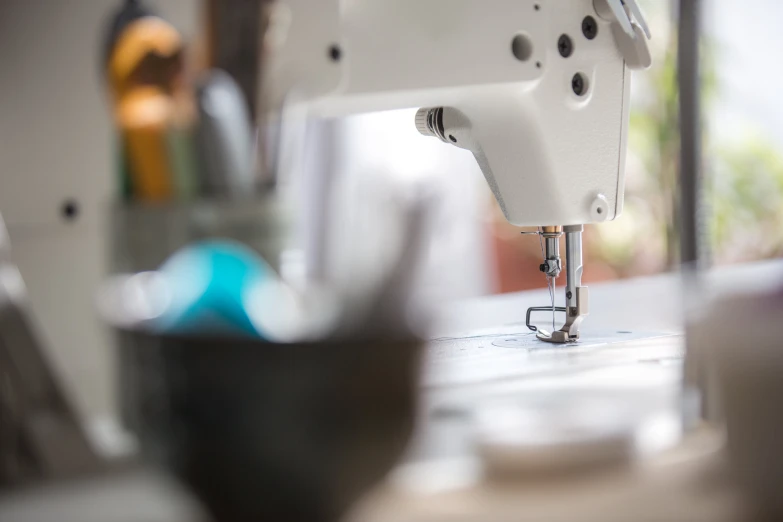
point(429, 122)
point(421, 122)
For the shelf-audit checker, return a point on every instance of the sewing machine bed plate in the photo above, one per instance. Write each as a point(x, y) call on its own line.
point(513, 352)
point(638, 372)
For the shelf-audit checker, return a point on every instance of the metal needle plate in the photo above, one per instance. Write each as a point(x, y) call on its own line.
point(510, 352)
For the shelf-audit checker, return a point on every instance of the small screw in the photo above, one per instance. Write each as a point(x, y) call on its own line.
point(569, 295)
point(543, 267)
point(578, 84)
point(70, 210)
point(538, 64)
point(537, 7)
point(565, 46)
point(589, 27)
point(335, 53)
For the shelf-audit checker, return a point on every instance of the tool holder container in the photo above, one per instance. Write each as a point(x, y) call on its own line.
point(259, 431)
point(265, 431)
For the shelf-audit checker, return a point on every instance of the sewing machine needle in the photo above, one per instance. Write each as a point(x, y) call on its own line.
point(552, 298)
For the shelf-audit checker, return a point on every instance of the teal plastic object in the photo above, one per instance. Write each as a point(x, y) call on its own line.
point(208, 284)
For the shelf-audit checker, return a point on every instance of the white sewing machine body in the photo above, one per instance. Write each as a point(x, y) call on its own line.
point(551, 156)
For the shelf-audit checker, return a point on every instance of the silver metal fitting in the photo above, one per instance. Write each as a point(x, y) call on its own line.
point(429, 122)
point(577, 306)
point(552, 265)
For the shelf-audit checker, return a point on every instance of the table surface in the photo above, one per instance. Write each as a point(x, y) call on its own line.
point(483, 358)
point(631, 352)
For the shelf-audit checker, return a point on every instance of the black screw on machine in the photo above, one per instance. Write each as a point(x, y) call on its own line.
point(70, 210)
point(578, 84)
point(335, 53)
point(565, 46)
point(589, 27)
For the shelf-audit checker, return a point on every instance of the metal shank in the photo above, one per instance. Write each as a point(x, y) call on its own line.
point(576, 294)
point(552, 265)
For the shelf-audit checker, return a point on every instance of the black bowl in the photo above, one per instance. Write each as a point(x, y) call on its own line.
point(267, 431)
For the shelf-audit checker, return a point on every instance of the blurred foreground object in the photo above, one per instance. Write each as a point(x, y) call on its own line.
point(263, 431)
point(216, 288)
point(41, 436)
point(225, 139)
point(686, 483)
point(739, 371)
point(292, 430)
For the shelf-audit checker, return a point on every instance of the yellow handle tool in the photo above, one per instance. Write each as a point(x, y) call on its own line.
point(144, 116)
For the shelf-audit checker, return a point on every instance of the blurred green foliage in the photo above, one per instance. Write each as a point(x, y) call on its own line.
point(743, 178)
point(746, 197)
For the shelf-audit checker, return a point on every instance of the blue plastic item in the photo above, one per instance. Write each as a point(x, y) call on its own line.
point(208, 284)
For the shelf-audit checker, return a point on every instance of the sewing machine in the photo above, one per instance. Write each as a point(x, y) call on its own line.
point(538, 91)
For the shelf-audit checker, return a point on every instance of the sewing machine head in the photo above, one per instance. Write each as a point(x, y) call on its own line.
point(537, 90)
